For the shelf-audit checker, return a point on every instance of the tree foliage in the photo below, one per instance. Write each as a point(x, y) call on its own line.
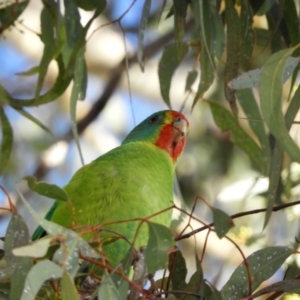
point(223, 39)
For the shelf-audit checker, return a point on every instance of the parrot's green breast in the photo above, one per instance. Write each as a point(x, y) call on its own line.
point(131, 181)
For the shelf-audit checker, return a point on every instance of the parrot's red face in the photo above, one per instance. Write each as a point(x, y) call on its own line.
point(172, 135)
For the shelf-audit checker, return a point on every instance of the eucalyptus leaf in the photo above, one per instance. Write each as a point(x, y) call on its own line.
point(68, 289)
point(142, 28)
point(262, 265)
point(39, 273)
point(159, 243)
point(6, 142)
point(46, 189)
point(171, 58)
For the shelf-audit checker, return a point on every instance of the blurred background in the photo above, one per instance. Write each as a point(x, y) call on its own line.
point(211, 167)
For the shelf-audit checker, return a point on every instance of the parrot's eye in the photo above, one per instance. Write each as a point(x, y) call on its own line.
point(153, 120)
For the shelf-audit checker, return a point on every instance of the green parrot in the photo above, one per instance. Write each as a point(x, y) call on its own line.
point(134, 180)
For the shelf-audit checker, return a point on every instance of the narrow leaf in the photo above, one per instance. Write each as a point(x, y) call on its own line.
point(45, 189)
point(271, 105)
point(142, 28)
point(225, 121)
point(206, 77)
point(180, 10)
point(108, 289)
point(247, 33)
point(178, 270)
point(74, 30)
point(36, 250)
point(192, 76)
point(68, 289)
point(274, 176)
point(62, 82)
point(47, 37)
point(251, 78)
point(262, 265)
point(287, 286)
point(16, 235)
point(171, 58)
point(68, 256)
point(33, 119)
point(58, 230)
point(78, 93)
point(10, 13)
point(266, 6)
point(233, 52)
point(39, 273)
point(159, 243)
point(217, 40)
point(7, 141)
point(222, 222)
point(32, 71)
point(90, 4)
point(251, 109)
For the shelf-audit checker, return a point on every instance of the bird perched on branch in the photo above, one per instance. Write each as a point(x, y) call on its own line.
point(134, 180)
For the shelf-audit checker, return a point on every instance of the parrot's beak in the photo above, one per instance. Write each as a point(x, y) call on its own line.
point(181, 126)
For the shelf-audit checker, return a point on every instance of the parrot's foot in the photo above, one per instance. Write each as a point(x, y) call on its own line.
point(140, 275)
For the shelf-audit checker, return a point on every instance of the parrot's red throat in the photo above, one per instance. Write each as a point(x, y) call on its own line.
point(172, 137)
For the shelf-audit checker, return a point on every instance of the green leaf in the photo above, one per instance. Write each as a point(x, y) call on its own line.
point(171, 58)
point(270, 92)
point(287, 286)
point(68, 289)
point(17, 267)
point(46, 189)
point(247, 33)
point(7, 141)
point(292, 22)
point(266, 6)
point(32, 71)
point(33, 119)
point(217, 40)
point(251, 78)
point(202, 15)
point(108, 290)
point(274, 176)
point(90, 4)
point(262, 265)
point(192, 76)
point(178, 270)
point(251, 109)
point(78, 93)
point(233, 52)
point(142, 28)
point(47, 37)
point(196, 284)
point(225, 121)
point(67, 256)
point(159, 243)
point(5, 97)
point(179, 10)
point(277, 156)
point(58, 230)
point(37, 249)
point(39, 273)
point(62, 82)
point(10, 13)
point(121, 284)
point(222, 222)
point(72, 25)
point(206, 78)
